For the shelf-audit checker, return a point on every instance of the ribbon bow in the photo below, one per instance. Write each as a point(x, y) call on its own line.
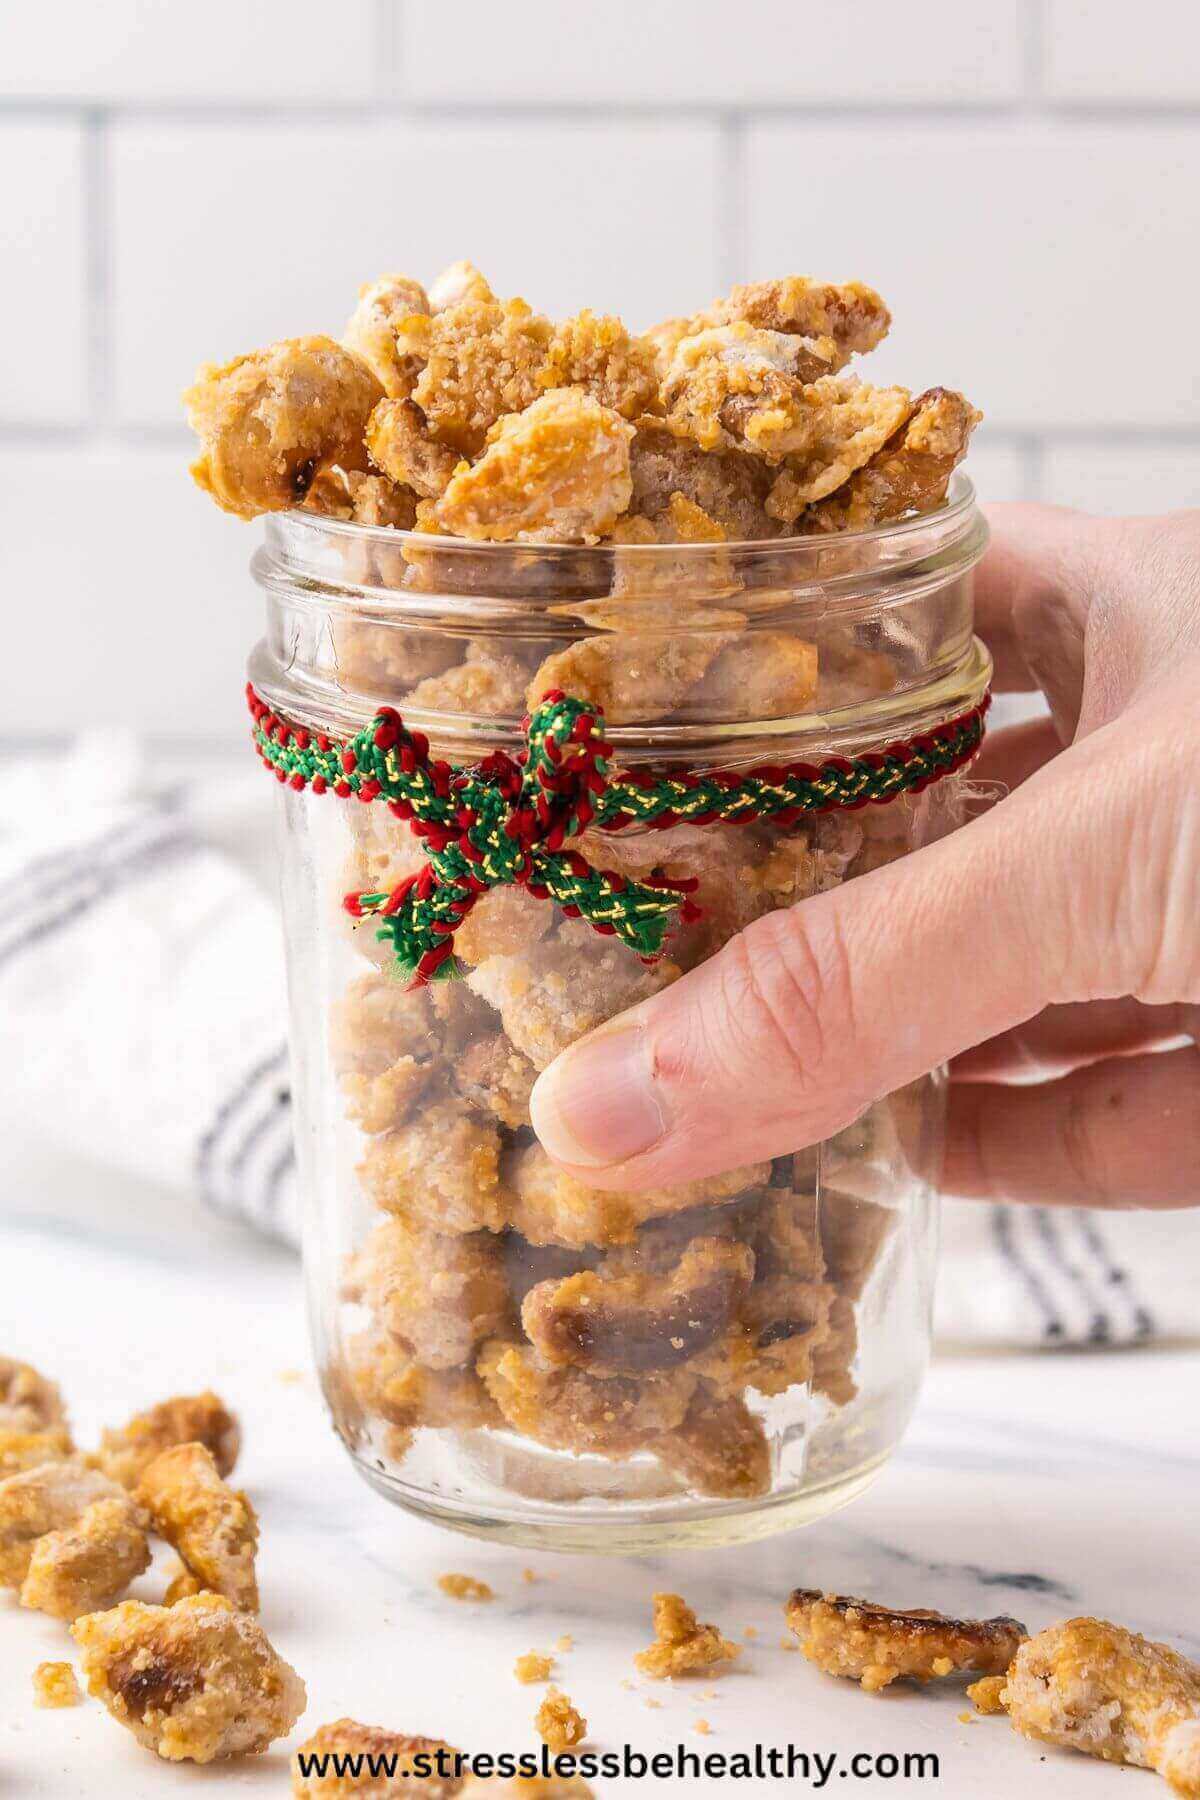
point(503, 823)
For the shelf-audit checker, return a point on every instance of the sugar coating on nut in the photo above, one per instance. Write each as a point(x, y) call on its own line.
point(438, 1295)
point(125, 1452)
point(876, 1645)
point(194, 1682)
point(1098, 1688)
point(214, 1529)
point(682, 1646)
point(268, 421)
point(566, 1408)
point(86, 1566)
point(51, 1497)
point(371, 330)
point(29, 1402)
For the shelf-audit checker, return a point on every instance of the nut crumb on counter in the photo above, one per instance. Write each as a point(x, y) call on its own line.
point(682, 1645)
point(533, 1666)
point(559, 1724)
point(464, 1587)
point(54, 1685)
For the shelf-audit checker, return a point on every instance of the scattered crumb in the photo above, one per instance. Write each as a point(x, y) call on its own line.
point(565, 1642)
point(54, 1684)
point(986, 1693)
point(788, 1644)
point(559, 1724)
point(529, 1575)
point(681, 1644)
point(966, 1718)
point(628, 1685)
point(750, 1631)
point(655, 1705)
point(465, 1587)
point(290, 1377)
point(703, 1727)
point(942, 1666)
point(533, 1666)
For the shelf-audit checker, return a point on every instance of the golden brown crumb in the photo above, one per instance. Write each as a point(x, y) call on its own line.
point(54, 1684)
point(51, 1497)
point(1095, 1687)
point(559, 1724)
point(558, 472)
point(268, 421)
point(986, 1693)
point(465, 1587)
point(182, 1585)
point(213, 1528)
point(682, 1645)
point(194, 1681)
point(703, 1727)
point(529, 1575)
point(29, 1402)
point(126, 1453)
point(87, 1566)
point(533, 1666)
point(876, 1645)
point(565, 1642)
point(424, 1768)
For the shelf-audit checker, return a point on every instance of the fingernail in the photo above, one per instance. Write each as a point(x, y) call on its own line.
point(596, 1104)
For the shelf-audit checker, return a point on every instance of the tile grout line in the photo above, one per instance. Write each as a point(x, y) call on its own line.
point(730, 201)
point(97, 250)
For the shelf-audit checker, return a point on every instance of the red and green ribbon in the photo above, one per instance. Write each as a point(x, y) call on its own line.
point(509, 821)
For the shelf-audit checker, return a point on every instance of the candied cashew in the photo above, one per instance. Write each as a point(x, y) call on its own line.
point(391, 1384)
point(910, 473)
point(558, 472)
point(549, 1206)
point(734, 387)
point(126, 1452)
point(29, 1402)
point(565, 1408)
point(598, 354)
point(88, 1565)
point(624, 1324)
point(761, 675)
point(564, 986)
point(850, 312)
point(876, 1645)
point(439, 1295)
point(30, 1449)
point(442, 1764)
point(458, 281)
point(214, 1529)
point(350, 494)
point(720, 1449)
point(1095, 1687)
point(727, 485)
point(194, 1681)
point(682, 1646)
point(441, 1169)
point(269, 420)
point(987, 1694)
point(50, 1497)
point(479, 359)
point(848, 422)
point(494, 1077)
point(489, 683)
point(371, 331)
point(631, 676)
point(399, 444)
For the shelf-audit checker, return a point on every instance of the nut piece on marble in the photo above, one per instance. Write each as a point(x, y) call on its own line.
point(876, 1645)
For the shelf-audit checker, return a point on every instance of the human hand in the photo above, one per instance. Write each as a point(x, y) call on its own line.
point(1050, 950)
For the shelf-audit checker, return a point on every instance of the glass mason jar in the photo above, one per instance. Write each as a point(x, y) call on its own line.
point(502, 1348)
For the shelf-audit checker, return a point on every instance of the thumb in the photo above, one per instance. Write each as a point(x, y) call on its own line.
point(809, 1015)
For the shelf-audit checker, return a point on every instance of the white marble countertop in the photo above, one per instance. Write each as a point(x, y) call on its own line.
point(1028, 1484)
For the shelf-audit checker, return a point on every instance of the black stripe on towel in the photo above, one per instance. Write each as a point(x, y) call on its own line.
point(1002, 1231)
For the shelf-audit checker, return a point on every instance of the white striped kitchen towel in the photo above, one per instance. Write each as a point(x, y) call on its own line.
point(142, 988)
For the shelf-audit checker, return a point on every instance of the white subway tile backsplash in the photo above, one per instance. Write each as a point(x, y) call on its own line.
point(150, 50)
point(1123, 478)
point(1032, 266)
point(43, 362)
point(127, 597)
point(225, 238)
point(1099, 50)
point(699, 52)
